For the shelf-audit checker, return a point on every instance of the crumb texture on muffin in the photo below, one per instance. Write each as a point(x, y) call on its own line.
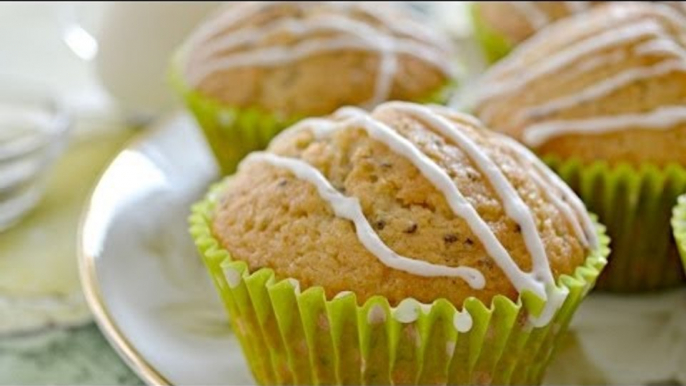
point(309, 58)
point(408, 201)
point(609, 85)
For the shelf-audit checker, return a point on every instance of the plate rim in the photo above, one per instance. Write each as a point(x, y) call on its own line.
point(88, 277)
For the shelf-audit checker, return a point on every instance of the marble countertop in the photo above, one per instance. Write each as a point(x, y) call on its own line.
point(61, 356)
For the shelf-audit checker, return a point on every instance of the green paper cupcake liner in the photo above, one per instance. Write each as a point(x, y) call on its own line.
point(679, 227)
point(635, 204)
point(234, 132)
point(294, 337)
point(494, 44)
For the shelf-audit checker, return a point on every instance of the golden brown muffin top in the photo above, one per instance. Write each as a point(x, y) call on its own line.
point(517, 20)
point(608, 85)
point(393, 202)
point(309, 58)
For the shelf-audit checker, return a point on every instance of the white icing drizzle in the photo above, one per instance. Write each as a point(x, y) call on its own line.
point(600, 89)
point(226, 18)
point(456, 115)
point(662, 118)
point(539, 280)
point(222, 53)
point(458, 203)
point(463, 321)
point(647, 30)
point(568, 202)
point(488, 111)
point(677, 19)
point(403, 26)
point(597, 61)
point(625, 34)
point(661, 46)
point(514, 207)
point(407, 311)
point(350, 209)
point(536, 18)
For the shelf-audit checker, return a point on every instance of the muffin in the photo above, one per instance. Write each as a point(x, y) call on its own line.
point(603, 98)
point(254, 68)
point(679, 226)
point(406, 245)
point(502, 25)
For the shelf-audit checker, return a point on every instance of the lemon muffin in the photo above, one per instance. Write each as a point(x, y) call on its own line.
point(502, 25)
point(441, 229)
point(253, 68)
point(603, 96)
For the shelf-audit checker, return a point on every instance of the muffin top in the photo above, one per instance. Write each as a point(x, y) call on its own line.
point(517, 20)
point(408, 201)
point(309, 58)
point(607, 85)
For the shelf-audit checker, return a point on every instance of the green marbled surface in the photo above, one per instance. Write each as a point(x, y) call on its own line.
point(78, 355)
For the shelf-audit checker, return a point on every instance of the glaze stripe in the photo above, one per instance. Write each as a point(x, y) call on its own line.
point(224, 52)
point(605, 40)
point(651, 38)
point(349, 208)
point(438, 177)
point(514, 207)
point(569, 203)
point(662, 118)
point(539, 281)
point(441, 180)
point(600, 89)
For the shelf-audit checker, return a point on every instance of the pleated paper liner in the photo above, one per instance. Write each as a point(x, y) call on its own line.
point(635, 203)
point(233, 132)
point(294, 337)
point(679, 227)
point(494, 44)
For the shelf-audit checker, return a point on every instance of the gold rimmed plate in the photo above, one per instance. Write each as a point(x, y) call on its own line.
point(149, 292)
point(153, 300)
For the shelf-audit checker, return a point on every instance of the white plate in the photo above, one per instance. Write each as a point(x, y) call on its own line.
point(153, 299)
